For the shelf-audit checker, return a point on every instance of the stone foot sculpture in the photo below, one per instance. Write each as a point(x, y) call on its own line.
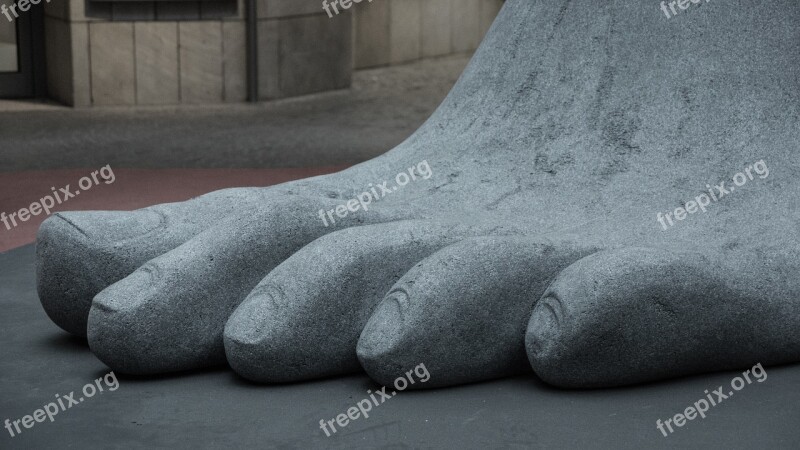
point(607, 196)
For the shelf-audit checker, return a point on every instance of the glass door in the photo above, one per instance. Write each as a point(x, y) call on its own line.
point(9, 56)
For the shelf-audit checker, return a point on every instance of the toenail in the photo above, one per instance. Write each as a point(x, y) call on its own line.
point(114, 226)
point(246, 325)
point(63, 218)
point(385, 328)
point(272, 295)
point(401, 298)
point(127, 293)
point(545, 323)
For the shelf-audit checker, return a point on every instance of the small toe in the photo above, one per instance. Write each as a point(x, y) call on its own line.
point(304, 319)
point(462, 312)
point(635, 315)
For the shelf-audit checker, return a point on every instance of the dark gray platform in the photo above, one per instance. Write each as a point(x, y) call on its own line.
point(216, 409)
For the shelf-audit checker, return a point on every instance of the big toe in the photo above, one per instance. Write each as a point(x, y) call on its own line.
point(80, 253)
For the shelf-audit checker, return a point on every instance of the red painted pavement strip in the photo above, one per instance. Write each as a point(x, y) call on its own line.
point(131, 189)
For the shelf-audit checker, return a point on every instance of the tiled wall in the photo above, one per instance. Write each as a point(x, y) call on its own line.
point(301, 50)
point(183, 52)
point(399, 31)
point(98, 57)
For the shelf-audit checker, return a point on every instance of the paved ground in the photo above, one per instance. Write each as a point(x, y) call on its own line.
point(171, 150)
point(216, 409)
point(383, 107)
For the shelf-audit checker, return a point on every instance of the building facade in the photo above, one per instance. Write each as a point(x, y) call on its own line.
point(88, 53)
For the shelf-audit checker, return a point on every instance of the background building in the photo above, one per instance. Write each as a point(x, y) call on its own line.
point(87, 53)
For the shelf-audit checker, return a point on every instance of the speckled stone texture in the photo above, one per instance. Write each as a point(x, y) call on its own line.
point(575, 125)
point(461, 311)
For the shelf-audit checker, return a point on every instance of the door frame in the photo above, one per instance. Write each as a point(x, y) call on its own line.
point(29, 80)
